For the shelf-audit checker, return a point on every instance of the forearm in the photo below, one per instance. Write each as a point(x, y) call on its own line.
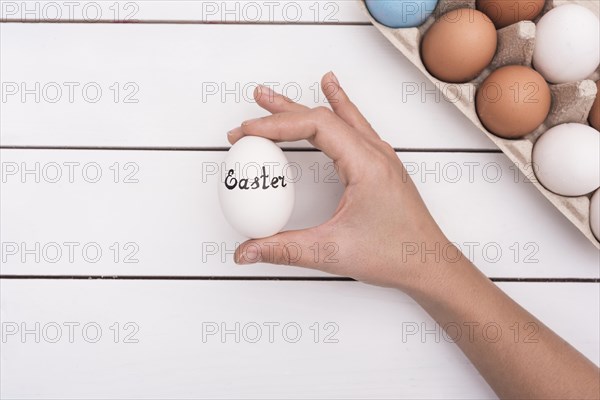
point(385, 235)
point(517, 354)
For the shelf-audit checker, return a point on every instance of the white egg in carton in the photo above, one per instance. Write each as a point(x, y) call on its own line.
point(571, 102)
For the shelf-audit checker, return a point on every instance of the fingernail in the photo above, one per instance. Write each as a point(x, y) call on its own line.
point(235, 132)
point(334, 78)
point(250, 121)
point(249, 256)
point(265, 89)
point(262, 90)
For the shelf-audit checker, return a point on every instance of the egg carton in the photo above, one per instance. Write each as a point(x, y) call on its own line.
point(571, 102)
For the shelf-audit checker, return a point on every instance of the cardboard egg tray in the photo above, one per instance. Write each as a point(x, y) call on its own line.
point(571, 102)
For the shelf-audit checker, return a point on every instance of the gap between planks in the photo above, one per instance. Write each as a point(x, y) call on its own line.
point(224, 149)
point(188, 22)
point(261, 278)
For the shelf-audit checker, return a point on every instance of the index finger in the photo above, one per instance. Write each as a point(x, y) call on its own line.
point(274, 102)
point(320, 126)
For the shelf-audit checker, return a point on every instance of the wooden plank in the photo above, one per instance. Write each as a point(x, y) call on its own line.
point(197, 11)
point(360, 354)
point(157, 213)
point(152, 85)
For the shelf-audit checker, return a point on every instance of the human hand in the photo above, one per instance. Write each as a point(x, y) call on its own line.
point(385, 236)
point(381, 226)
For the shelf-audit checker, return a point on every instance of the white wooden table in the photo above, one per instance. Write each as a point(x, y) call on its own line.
point(117, 271)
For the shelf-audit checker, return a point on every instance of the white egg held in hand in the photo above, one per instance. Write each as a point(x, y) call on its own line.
point(595, 214)
point(567, 44)
point(566, 159)
point(256, 195)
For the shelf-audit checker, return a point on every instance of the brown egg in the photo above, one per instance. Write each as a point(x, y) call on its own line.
point(594, 118)
point(459, 45)
point(513, 101)
point(507, 12)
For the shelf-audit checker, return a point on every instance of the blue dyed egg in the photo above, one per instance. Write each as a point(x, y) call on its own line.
point(401, 13)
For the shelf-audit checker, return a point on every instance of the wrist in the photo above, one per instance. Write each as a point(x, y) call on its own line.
point(433, 269)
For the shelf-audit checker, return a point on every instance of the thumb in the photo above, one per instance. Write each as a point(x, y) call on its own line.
point(285, 248)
